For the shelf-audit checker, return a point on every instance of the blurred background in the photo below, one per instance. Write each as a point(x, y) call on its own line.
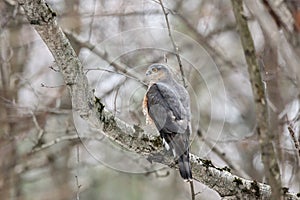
point(41, 156)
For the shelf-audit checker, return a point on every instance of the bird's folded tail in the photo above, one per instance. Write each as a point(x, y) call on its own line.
point(184, 166)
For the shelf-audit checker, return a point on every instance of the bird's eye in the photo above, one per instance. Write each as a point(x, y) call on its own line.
point(154, 69)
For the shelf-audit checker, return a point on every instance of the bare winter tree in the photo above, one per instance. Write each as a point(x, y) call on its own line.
point(72, 84)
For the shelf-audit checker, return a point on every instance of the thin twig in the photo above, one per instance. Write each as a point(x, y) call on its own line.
point(295, 141)
point(92, 21)
point(192, 189)
point(115, 100)
point(237, 169)
point(63, 139)
point(175, 47)
point(166, 8)
point(76, 176)
point(115, 72)
point(78, 187)
point(112, 14)
point(213, 51)
point(40, 130)
point(102, 54)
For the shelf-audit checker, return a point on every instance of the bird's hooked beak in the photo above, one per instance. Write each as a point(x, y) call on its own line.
point(148, 72)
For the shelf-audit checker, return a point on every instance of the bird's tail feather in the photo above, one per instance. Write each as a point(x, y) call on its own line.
point(184, 166)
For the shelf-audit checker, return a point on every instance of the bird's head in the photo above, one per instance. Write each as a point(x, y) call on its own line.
point(158, 72)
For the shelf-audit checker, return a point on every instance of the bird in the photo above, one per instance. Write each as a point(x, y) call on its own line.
point(167, 105)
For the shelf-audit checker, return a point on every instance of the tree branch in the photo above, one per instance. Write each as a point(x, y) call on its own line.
point(130, 137)
point(102, 54)
point(175, 47)
point(266, 137)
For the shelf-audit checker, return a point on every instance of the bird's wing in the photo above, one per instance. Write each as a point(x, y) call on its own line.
point(165, 108)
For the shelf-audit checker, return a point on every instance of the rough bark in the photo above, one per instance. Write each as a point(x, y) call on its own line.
point(266, 137)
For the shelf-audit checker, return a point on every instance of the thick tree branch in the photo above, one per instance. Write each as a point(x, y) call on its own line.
point(266, 137)
point(130, 137)
point(43, 18)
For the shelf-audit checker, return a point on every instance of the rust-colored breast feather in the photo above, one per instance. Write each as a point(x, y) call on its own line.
point(145, 109)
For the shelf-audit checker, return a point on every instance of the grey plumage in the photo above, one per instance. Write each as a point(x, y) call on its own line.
point(168, 105)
